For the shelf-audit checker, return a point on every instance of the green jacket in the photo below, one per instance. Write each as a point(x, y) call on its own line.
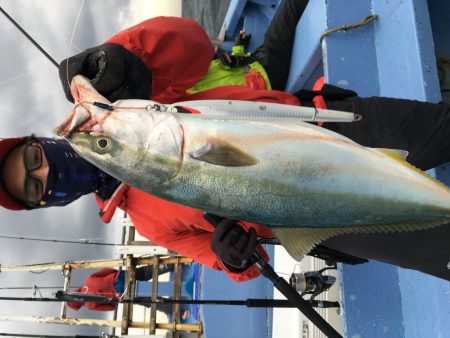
point(222, 75)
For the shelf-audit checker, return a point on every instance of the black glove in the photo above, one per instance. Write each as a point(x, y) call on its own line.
point(114, 71)
point(233, 245)
point(232, 61)
point(242, 39)
point(329, 92)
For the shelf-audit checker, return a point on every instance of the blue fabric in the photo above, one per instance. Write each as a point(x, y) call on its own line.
point(70, 176)
point(119, 284)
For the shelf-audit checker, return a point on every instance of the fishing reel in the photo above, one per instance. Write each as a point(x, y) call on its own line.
point(312, 282)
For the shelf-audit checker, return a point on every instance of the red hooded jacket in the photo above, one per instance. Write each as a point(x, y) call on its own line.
point(100, 283)
point(179, 52)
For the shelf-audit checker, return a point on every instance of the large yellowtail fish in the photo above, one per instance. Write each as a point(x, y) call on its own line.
point(305, 182)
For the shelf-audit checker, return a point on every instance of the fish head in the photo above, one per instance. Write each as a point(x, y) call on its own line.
point(135, 141)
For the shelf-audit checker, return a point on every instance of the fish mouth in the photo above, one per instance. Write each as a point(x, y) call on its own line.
point(81, 120)
point(85, 116)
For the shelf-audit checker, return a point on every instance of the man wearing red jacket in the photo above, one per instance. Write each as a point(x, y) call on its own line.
point(142, 62)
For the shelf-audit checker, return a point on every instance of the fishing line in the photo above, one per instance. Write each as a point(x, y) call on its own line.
point(71, 40)
point(67, 41)
point(15, 78)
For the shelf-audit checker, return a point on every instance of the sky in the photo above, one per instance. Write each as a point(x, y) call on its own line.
point(32, 101)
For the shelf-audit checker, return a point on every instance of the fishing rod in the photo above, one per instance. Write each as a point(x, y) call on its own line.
point(86, 241)
point(62, 296)
point(305, 306)
point(35, 287)
point(48, 336)
point(147, 301)
point(29, 37)
point(294, 297)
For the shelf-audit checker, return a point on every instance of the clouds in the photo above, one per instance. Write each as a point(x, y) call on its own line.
point(34, 101)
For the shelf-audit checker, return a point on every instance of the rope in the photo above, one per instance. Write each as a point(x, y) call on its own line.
point(344, 28)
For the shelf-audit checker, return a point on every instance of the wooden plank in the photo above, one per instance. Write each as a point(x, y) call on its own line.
point(140, 249)
point(176, 296)
point(130, 283)
point(97, 322)
point(67, 275)
point(130, 276)
point(91, 264)
point(155, 277)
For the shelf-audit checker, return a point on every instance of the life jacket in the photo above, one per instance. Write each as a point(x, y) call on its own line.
point(250, 74)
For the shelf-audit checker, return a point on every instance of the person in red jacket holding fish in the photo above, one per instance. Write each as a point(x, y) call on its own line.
point(162, 59)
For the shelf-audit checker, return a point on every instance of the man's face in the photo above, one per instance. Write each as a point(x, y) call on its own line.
point(25, 173)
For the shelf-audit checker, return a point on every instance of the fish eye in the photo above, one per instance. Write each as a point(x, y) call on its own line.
point(102, 144)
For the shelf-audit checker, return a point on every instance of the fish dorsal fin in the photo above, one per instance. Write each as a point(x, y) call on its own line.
point(398, 156)
point(222, 153)
point(394, 153)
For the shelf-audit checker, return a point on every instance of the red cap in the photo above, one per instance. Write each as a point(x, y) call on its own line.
point(6, 200)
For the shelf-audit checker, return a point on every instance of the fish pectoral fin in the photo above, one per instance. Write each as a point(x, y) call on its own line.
point(394, 153)
point(222, 153)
